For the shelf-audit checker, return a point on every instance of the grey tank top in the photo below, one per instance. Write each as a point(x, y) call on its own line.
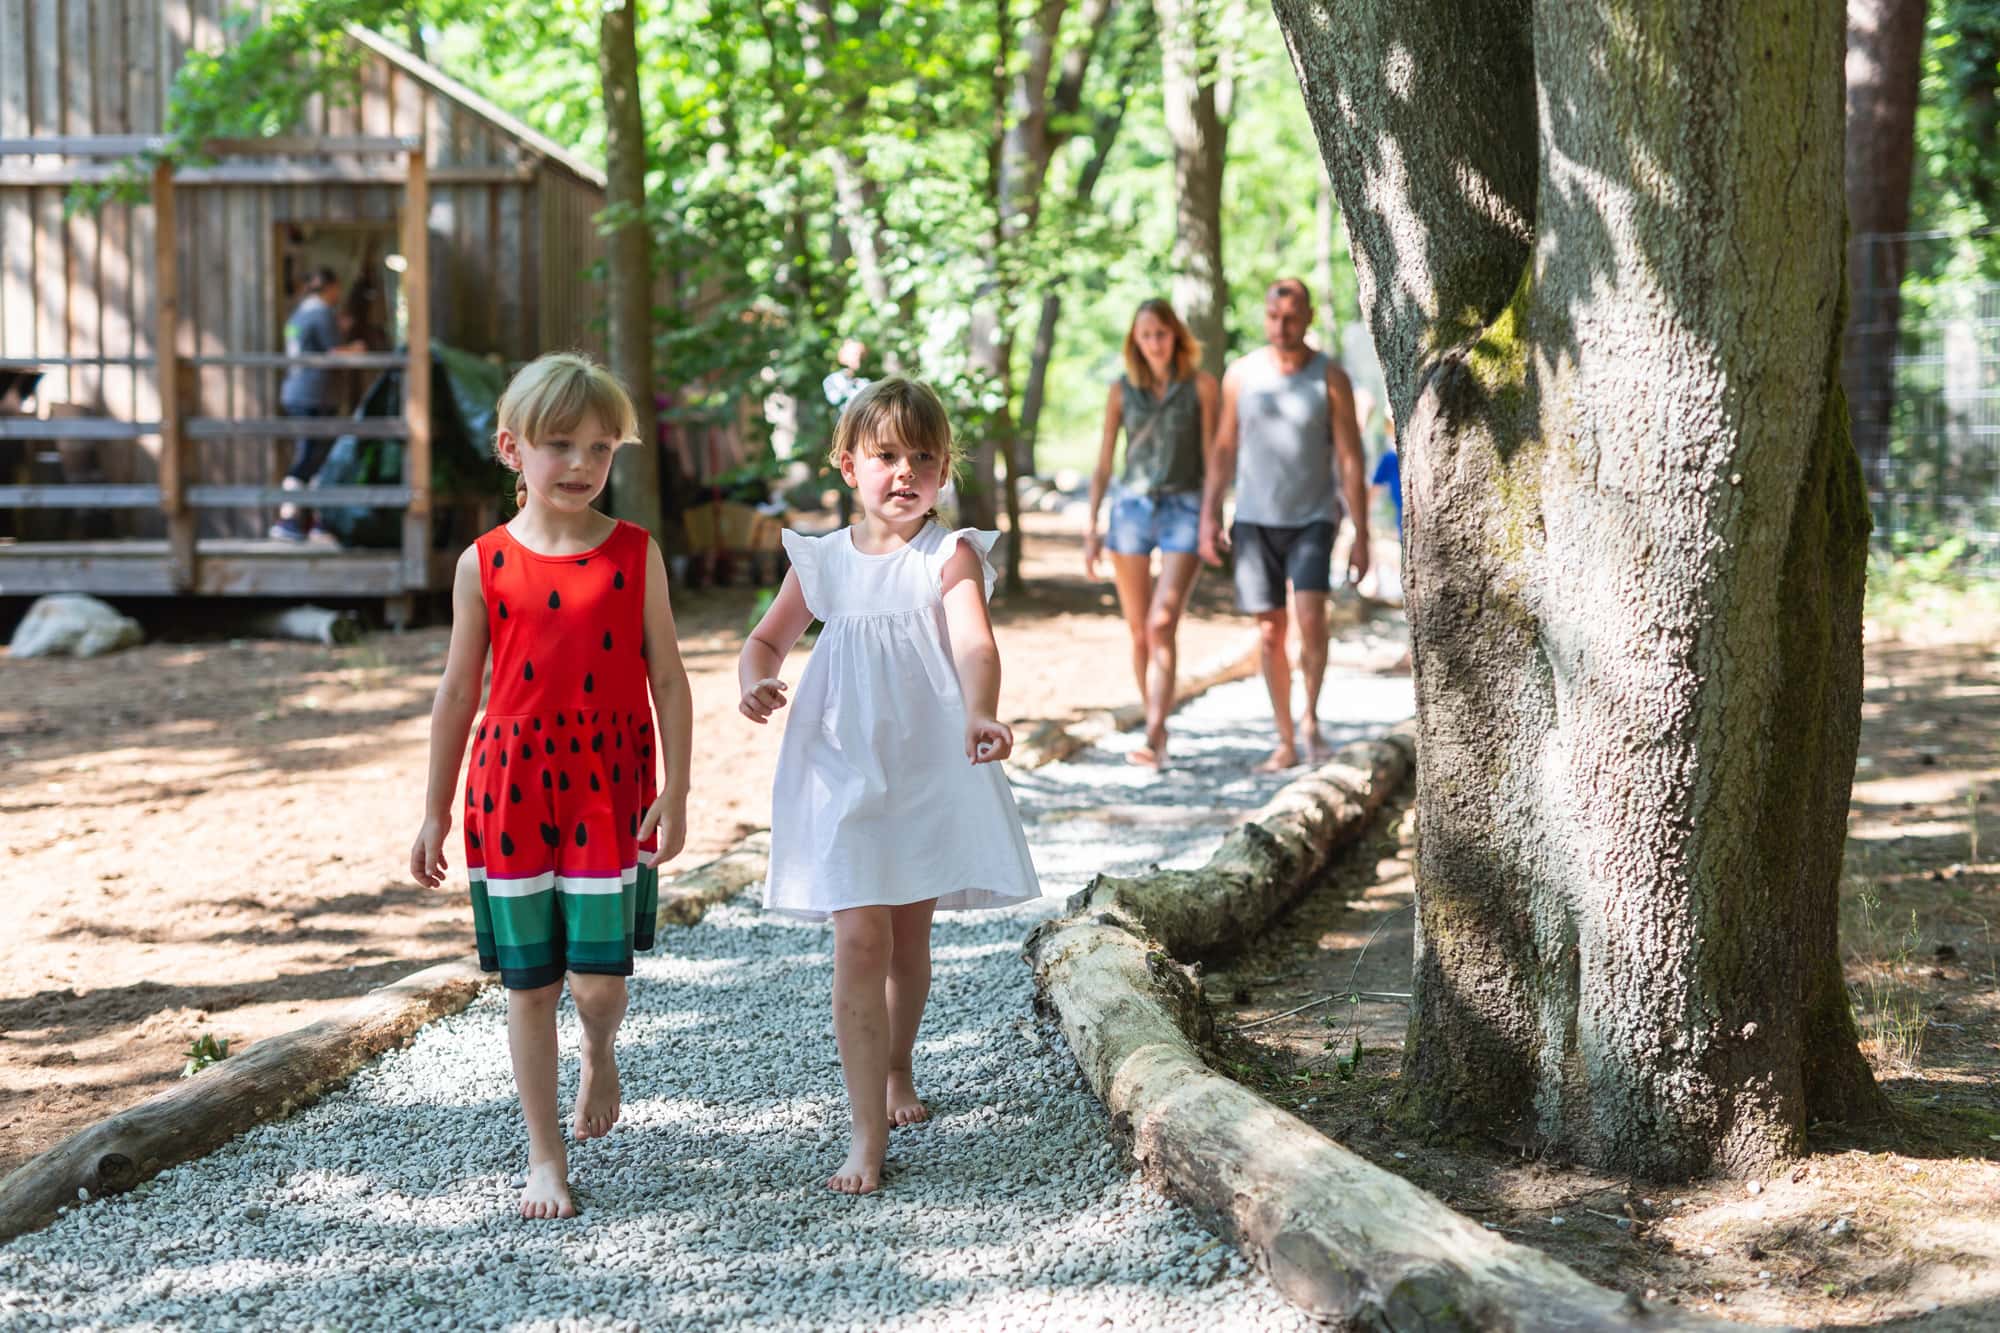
point(1162, 438)
point(1284, 444)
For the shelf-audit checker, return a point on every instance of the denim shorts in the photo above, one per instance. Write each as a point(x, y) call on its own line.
point(1170, 520)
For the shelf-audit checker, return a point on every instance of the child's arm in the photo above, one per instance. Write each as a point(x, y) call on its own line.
point(987, 739)
point(673, 713)
point(764, 652)
point(451, 717)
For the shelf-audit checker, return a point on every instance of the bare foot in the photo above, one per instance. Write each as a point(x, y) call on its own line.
point(861, 1173)
point(1317, 750)
point(597, 1098)
point(1153, 754)
point(547, 1192)
point(905, 1107)
point(1280, 759)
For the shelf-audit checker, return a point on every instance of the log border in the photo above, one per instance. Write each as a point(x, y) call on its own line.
point(281, 1074)
point(1343, 1240)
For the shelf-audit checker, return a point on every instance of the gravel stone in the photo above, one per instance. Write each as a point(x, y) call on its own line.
point(388, 1204)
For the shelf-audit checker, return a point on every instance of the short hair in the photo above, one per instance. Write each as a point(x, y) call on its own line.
point(321, 277)
point(553, 393)
point(1187, 348)
point(895, 408)
point(1289, 287)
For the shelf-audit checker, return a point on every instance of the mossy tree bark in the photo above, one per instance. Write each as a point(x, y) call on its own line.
point(1599, 248)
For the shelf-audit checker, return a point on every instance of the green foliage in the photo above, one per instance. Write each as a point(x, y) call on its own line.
point(205, 1051)
point(1957, 186)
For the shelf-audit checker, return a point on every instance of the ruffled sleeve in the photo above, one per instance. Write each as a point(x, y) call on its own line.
point(982, 544)
point(804, 552)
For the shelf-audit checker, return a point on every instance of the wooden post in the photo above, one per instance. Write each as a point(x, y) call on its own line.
point(417, 375)
point(174, 460)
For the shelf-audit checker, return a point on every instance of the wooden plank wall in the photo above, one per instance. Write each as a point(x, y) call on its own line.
point(508, 256)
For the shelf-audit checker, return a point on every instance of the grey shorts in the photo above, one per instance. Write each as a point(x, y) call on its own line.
point(1269, 558)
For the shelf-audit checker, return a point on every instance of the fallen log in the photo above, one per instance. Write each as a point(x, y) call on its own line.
point(685, 899)
point(268, 1081)
point(1046, 740)
point(1342, 1239)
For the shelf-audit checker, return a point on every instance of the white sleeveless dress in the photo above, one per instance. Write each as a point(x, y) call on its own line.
point(875, 802)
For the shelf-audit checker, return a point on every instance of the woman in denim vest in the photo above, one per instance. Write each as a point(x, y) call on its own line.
point(1166, 407)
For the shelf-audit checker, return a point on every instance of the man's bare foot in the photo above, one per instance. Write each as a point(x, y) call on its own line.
point(597, 1098)
point(1153, 754)
point(1280, 759)
point(861, 1173)
point(905, 1107)
point(547, 1191)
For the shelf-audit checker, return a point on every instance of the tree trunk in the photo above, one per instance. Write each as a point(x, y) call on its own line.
point(635, 476)
point(1609, 321)
point(1885, 41)
point(1200, 291)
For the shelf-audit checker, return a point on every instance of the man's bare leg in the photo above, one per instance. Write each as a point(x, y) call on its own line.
point(1310, 609)
point(1278, 681)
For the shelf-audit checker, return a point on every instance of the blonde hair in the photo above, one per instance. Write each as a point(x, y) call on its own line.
point(1187, 348)
point(907, 411)
point(552, 393)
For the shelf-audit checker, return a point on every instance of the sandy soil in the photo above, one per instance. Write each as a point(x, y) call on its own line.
point(211, 836)
point(1879, 1224)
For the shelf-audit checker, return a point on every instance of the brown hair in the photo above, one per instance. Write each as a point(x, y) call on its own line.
point(906, 411)
point(1187, 348)
point(552, 393)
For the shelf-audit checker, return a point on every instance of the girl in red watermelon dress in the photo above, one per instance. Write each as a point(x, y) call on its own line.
point(565, 820)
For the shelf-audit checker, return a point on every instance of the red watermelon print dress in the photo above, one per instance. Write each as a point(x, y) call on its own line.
point(562, 763)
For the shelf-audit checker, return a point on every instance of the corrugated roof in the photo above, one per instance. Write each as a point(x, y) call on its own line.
point(443, 83)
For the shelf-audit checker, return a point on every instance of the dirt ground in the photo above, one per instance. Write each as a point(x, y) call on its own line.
point(210, 835)
point(1881, 1224)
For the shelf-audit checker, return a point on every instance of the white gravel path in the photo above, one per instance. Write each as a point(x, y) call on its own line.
point(389, 1205)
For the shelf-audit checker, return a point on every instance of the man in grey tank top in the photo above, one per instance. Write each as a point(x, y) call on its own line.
point(1287, 418)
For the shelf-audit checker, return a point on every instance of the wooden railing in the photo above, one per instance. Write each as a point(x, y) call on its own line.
point(178, 495)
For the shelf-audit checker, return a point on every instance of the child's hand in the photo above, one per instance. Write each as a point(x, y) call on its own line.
point(764, 698)
point(427, 863)
point(988, 741)
point(669, 818)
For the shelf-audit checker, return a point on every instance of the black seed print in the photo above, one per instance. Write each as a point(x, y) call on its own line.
point(514, 793)
point(645, 752)
point(482, 758)
point(549, 746)
point(645, 728)
point(619, 740)
point(555, 600)
point(538, 724)
point(499, 559)
point(547, 781)
point(468, 798)
point(607, 641)
point(595, 785)
point(517, 728)
point(635, 827)
point(597, 743)
point(589, 683)
point(559, 719)
point(482, 732)
point(503, 610)
point(527, 671)
point(551, 835)
point(475, 840)
point(575, 746)
point(581, 563)
point(617, 773)
point(618, 579)
point(562, 783)
point(527, 749)
point(506, 845)
point(489, 803)
point(503, 756)
point(581, 838)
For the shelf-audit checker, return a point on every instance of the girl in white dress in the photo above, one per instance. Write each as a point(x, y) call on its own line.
point(889, 801)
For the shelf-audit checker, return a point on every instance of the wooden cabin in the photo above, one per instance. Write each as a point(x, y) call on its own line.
point(152, 334)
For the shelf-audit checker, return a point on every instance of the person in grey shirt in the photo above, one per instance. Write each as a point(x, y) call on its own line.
point(1289, 439)
point(308, 391)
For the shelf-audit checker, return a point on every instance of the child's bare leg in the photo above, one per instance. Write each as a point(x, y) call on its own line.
point(908, 986)
point(600, 1007)
point(862, 939)
point(531, 1041)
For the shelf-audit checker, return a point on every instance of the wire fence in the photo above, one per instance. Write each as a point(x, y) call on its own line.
point(1922, 368)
